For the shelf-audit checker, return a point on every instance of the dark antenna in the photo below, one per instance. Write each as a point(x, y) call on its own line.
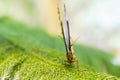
point(67, 25)
point(61, 25)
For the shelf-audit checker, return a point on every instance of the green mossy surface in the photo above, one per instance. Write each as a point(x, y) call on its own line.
point(32, 54)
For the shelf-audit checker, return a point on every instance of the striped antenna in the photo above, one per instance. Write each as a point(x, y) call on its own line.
point(61, 25)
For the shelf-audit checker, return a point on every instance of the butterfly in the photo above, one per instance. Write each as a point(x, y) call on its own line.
point(66, 36)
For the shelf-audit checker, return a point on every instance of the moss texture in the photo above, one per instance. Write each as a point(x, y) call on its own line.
point(29, 54)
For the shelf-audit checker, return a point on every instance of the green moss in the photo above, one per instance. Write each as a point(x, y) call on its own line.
point(31, 65)
point(29, 54)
